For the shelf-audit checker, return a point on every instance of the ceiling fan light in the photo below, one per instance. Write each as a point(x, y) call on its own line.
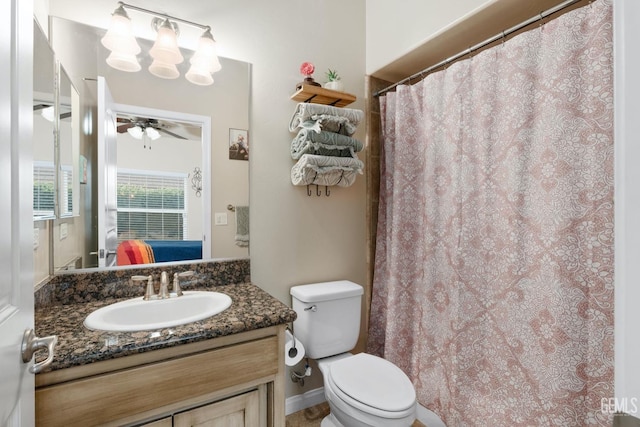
point(120, 37)
point(48, 113)
point(135, 131)
point(165, 47)
point(124, 62)
point(164, 70)
point(152, 133)
point(199, 75)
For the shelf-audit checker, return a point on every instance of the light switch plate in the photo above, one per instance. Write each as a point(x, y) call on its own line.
point(221, 218)
point(64, 231)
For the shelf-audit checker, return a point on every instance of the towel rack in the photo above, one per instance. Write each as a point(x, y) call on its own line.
point(231, 208)
point(327, 192)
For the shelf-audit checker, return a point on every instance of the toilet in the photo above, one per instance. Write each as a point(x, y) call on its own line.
point(362, 390)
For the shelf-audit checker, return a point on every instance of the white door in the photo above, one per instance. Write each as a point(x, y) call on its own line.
point(16, 210)
point(107, 178)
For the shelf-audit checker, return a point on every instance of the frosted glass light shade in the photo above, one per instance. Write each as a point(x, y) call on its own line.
point(206, 54)
point(152, 133)
point(164, 70)
point(119, 37)
point(199, 75)
point(124, 62)
point(135, 131)
point(165, 48)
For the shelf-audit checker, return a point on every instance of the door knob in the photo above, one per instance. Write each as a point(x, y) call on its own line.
point(31, 344)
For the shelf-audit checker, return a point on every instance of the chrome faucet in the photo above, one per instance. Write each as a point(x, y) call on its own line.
point(164, 285)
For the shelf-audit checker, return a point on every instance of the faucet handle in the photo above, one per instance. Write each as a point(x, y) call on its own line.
point(150, 291)
point(176, 281)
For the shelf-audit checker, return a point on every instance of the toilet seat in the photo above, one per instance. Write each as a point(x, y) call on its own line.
point(372, 385)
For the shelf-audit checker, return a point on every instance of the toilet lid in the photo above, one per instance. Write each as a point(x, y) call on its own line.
point(374, 382)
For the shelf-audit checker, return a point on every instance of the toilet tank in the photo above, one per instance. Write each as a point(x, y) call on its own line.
point(328, 321)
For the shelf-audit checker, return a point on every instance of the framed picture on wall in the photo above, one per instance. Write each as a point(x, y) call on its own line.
point(238, 144)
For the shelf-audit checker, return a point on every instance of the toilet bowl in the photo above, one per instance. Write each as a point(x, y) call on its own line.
point(364, 391)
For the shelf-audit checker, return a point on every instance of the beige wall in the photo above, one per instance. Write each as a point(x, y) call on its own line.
point(394, 30)
point(295, 239)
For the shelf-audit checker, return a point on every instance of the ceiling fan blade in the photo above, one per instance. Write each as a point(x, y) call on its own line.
point(41, 107)
point(123, 128)
point(175, 135)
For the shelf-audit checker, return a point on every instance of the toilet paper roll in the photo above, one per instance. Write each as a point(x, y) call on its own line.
point(292, 355)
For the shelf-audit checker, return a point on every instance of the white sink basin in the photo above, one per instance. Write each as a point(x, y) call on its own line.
point(139, 315)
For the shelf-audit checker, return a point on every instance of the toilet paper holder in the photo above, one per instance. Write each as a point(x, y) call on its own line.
point(293, 351)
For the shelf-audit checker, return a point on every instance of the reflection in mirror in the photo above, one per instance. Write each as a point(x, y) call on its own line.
point(226, 103)
point(43, 126)
point(68, 141)
point(159, 212)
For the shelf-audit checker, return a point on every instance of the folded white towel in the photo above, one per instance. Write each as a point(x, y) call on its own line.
point(306, 111)
point(324, 170)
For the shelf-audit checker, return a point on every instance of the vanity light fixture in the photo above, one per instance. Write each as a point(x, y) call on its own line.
point(120, 40)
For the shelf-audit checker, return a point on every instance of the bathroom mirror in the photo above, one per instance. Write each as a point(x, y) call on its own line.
point(67, 145)
point(226, 103)
point(43, 127)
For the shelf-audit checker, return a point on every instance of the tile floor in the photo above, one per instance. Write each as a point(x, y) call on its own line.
point(311, 417)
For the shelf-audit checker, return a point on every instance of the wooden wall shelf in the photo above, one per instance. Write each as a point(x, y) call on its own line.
point(320, 95)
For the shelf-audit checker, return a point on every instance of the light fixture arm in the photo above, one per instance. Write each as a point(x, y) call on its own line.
point(163, 15)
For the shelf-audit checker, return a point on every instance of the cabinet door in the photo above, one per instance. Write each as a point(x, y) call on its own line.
point(238, 411)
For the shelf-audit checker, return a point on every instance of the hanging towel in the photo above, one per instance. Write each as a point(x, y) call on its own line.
point(323, 143)
point(306, 111)
point(242, 226)
point(324, 170)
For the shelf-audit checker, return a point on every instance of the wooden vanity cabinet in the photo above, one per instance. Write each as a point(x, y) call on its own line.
point(236, 380)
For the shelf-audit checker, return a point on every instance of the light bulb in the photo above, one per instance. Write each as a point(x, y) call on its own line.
point(206, 54)
point(119, 37)
point(165, 47)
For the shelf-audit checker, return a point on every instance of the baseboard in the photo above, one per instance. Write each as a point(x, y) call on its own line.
point(303, 401)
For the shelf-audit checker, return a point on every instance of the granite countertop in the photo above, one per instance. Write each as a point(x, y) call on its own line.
point(252, 308)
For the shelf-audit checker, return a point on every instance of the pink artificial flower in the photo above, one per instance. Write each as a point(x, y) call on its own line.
point(307, 68)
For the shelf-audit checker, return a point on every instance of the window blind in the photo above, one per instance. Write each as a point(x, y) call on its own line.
point(151, 205)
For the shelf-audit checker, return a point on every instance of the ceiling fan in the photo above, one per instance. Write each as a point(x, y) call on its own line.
point(125, 123)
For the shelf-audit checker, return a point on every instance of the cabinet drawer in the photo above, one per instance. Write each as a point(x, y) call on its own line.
point(123, 394)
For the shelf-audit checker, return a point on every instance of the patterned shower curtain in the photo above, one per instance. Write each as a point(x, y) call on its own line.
point(493, 284)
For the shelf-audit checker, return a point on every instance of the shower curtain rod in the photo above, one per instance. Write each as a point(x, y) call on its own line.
point(480, 45)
